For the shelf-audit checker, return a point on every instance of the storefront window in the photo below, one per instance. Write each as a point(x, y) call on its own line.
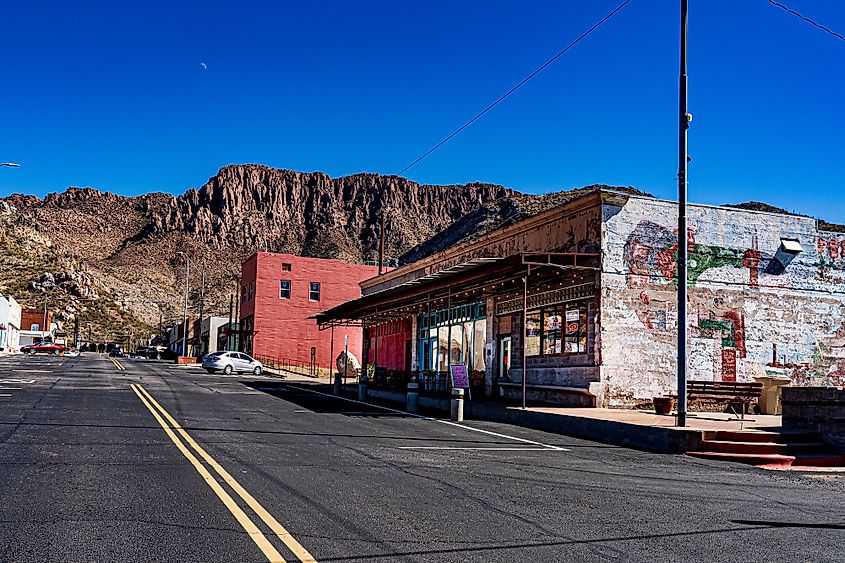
point(442, 348)
point(463, 343)
point(478, 360)
point(456, 346)
point(532, 333)
point(551, 332)
point(576, 328)
point(559, 329)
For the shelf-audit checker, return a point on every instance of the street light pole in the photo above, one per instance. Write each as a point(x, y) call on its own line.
point(202, 306)
point(683, 124)
point(185, 322)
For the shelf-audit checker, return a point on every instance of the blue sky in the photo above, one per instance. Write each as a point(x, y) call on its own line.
point(113, 95)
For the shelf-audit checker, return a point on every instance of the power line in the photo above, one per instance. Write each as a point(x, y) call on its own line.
point(515, 88)
point(806, 19)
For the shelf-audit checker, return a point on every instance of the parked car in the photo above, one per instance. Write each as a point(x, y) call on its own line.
point(229, 362)
point(116, 352)
point(152, 352)
point(43, 348)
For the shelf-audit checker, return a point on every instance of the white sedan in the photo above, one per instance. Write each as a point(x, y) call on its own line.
point(229, 362)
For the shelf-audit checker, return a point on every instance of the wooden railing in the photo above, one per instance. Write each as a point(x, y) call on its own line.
point(430, 382)
point(290, 365)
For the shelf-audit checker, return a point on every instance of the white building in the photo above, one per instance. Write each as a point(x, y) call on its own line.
point(10, 324)
point(209, 330)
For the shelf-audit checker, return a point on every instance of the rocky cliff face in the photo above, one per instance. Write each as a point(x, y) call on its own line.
point(122, 251)
point(260, 208)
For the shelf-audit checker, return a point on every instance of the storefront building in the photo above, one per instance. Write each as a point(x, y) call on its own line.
point(279, 295)
point(598, 323)
point(10, 324)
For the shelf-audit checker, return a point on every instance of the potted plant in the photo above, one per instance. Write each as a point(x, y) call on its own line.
point(663, 405)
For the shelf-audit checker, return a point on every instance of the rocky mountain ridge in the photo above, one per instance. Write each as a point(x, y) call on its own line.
point(114, 260)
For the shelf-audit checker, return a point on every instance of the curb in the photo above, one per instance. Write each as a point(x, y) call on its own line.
point(655, 439)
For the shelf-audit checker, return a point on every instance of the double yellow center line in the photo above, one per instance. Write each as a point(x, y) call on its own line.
point(172, 428)
point(117, 364)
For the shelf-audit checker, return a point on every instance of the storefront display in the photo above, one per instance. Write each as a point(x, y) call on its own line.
point(562, 329)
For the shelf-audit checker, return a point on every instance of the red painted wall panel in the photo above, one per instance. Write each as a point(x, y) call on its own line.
point(391, 339)
point(282, 328)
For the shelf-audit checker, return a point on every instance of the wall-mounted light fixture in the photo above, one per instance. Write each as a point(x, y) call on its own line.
point(787, 251)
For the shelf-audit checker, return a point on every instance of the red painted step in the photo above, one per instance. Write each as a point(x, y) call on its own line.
point(770, 449)
point(761, 436)
point(751, 447)
point(749, 459)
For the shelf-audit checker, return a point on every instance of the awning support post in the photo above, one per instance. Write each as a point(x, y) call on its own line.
point(524, 333)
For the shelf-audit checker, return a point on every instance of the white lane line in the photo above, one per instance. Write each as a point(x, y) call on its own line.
point(5, 394)
point(449, 422)
point(30, 382)
point(11, 388)
point(474, 449)
point(30, 371)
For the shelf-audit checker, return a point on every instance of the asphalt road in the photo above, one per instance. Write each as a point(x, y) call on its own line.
point(156, 462)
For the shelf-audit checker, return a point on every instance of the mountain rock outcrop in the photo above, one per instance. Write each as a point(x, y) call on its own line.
point(312, 214)
point(113, 260)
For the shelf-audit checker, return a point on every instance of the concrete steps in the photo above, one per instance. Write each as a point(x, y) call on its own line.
point(770, 449)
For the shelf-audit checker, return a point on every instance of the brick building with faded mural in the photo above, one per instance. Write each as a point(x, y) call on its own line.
point(767, 296)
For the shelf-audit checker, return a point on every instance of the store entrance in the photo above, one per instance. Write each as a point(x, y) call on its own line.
point(504, 357)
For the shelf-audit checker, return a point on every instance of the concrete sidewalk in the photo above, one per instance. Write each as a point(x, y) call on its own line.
point(638, 429)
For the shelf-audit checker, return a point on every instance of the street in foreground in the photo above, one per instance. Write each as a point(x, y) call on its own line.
point(103, 460)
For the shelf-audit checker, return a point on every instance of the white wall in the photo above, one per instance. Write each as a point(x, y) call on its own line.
point(740, 303)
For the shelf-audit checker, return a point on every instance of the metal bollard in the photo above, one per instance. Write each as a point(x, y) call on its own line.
point(413, 395)
point(458, 405)
point(362, 388)
point(338, 382)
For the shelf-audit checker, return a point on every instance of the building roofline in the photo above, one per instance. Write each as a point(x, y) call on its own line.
point(576, 203)
point(713, 206)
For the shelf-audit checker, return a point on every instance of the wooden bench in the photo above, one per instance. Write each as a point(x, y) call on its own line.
point(731, 391)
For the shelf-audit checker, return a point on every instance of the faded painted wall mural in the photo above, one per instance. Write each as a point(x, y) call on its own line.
point(651, 255)
point(752, 310)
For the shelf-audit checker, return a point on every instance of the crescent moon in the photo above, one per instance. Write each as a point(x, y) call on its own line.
point(204, 66)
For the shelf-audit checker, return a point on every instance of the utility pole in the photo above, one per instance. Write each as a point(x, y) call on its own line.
point(202, 305)
point(185, 322)
point(683, 124)
point(237, 311)
point(229, 336)
point(525, 334)
point(381, 243)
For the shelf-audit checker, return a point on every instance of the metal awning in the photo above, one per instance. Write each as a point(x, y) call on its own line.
point(448, 272)
point(393, 302)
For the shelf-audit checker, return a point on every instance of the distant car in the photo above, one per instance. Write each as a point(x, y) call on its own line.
point(43, 348)
point(229, 362)
point(152, 352)
point(71, 352)
point(116, 353)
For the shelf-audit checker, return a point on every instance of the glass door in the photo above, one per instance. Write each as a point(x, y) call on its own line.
point(504, 356)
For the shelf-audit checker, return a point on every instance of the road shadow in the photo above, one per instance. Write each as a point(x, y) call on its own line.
point(813, 525)
point(320, 403)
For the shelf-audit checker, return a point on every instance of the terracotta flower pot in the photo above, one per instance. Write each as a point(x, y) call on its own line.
point(663, 405)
